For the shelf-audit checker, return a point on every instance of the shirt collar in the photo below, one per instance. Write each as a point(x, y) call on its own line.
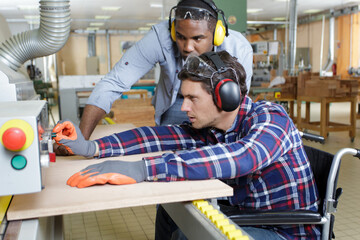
point(243, 112)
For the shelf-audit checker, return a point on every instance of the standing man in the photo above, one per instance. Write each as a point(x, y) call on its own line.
point(193, 28)
point(253, 147)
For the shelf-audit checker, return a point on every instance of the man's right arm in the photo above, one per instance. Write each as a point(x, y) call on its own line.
point(90, 118)
point(136, 62)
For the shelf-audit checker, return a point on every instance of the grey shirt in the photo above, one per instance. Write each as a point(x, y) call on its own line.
point(157, 47)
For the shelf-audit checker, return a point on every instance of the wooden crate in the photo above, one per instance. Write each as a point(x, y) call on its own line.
point(289, 89)
point(310, 84)
point(323, 88)
point(139, 112)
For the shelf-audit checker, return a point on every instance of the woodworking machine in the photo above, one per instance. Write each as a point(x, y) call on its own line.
point(26, 146)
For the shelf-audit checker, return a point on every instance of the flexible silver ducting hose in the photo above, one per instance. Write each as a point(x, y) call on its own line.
point(49, 38)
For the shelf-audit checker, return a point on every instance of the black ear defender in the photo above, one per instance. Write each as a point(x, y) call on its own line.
point(220, 30)
point(226, 92)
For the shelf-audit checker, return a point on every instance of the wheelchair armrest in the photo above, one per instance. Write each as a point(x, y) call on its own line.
point(275, 217)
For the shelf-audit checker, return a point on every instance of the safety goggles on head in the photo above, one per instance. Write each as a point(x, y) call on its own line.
point(198, 67)
point(193, 13)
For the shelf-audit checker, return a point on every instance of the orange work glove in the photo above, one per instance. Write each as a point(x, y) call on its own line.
point(69, 135)
point(113, 172)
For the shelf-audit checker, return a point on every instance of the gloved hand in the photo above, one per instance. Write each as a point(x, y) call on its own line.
point(69, 135)
point(113, 172)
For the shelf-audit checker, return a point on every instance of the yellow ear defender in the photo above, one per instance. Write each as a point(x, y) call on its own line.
point(172, 31)
point(219, 33)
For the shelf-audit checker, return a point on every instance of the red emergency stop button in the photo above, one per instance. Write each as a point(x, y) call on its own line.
point(14, 139)
point(16, 135)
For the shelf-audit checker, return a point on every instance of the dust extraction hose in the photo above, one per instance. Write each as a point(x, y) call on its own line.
point(49, 38)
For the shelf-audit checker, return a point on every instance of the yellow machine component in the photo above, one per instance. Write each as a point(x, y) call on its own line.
point(109, 120)
point(220, 220)
point(4, 204)
point(24, 126)
point(277, 94)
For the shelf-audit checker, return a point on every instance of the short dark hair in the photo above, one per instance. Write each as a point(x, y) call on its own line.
point(202, 5)
point(229, 61)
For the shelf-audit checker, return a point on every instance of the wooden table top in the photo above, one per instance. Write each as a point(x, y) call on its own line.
point(58, 198)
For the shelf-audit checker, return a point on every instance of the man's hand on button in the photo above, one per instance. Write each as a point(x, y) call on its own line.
point(70, 136)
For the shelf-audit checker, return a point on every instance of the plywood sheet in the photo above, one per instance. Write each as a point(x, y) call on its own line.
point(58, 198)
point(105, 130)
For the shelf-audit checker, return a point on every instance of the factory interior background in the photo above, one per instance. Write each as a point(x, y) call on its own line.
point(317, 56)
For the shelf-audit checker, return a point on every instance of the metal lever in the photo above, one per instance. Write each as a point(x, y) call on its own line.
point(312, 137)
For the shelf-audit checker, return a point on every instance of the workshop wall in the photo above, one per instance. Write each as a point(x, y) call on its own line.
point(348, 33)
point(71, 58)
point(309, 35)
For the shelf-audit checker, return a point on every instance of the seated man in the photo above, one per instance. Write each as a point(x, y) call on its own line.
point(254, 147)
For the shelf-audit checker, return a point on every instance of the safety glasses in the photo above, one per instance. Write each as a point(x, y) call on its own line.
point(198, 67)
point(192, 13)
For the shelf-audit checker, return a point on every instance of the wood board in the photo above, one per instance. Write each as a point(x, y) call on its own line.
point(58, 198)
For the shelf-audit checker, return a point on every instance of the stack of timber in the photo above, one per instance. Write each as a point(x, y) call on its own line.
point(311, 84)
point(138, 111)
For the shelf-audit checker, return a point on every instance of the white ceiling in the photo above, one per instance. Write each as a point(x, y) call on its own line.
point(138, 13)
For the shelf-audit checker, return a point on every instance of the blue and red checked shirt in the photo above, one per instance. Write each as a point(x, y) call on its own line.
point(261, 156)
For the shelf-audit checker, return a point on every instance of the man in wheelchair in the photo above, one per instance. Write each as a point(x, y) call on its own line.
point(254, 147)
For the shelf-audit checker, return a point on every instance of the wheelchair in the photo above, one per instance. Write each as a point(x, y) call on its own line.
point(325, 167)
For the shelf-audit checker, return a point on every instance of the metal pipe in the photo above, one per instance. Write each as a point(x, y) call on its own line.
point(322, 44)
point(292, 35)
point(51, 36)
point(275, 33)
point(351, 33)
point(331, 54)
point(108, 49)
point(267, 22)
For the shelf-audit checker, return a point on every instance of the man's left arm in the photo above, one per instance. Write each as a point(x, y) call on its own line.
point(150, 139)
point(268, 137)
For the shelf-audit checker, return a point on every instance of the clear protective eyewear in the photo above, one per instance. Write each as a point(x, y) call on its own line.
point(198, 67)
point(192, 13)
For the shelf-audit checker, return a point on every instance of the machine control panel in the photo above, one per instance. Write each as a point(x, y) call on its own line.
point(25, 146)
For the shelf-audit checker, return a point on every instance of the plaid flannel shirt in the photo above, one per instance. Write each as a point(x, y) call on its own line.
point(261, 156)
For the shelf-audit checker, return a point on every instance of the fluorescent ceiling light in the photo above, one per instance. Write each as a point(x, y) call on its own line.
point(109, 8)
point(7, 8)
point(92, 28)
point(96, 24)
point(28, 7)
point(254, 10)
point(282, 0)
point(143, 28)
point(150, 24)
point(309, 11)
point(102, 17)
point(279, 19)
point(156, 5)
point(166, 18)
point(31, 16)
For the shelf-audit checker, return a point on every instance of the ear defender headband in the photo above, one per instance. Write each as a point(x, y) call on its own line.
point(220, 30)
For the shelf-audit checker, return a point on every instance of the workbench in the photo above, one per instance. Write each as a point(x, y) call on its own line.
point(44, 209)
point(324, 126)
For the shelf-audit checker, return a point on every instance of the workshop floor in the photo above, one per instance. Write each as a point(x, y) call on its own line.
point(138, 223)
